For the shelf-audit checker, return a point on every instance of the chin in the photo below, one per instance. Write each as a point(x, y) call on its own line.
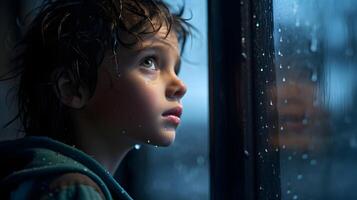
point(165, 138)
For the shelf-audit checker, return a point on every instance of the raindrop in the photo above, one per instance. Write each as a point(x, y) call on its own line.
point(243, 39)
point(288, 192)
point(263, 54)
point(261, 69)
point(244, 55)
point(261, 188)
point(284, 79)
point(156, 146)
point(279, 30)
point(254, 16)
point(295, 197)
point(266, 150)
point(148, 141)
point(281, 39)
point(281, 66)
point(137, 146)
point(281, 128)
point(280, 54)
point(288, 67)
point(262, 92)
point(271, 103)
point(313, 45)
point(257, 25)
point(314, 77)
point(246, 153)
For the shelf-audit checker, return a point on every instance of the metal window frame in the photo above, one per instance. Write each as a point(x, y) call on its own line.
point(244, 164)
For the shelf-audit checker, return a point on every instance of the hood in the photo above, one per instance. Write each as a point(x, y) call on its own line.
point(32, 157)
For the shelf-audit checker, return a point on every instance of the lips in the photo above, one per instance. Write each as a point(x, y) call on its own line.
point(177, 111)
point(173, 115)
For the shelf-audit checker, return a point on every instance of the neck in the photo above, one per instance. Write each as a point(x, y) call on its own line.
point(107, 148)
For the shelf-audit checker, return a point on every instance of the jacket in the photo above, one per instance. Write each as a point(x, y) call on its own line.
point(42, 168)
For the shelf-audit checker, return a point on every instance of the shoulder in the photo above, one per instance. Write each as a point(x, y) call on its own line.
point(69, 186)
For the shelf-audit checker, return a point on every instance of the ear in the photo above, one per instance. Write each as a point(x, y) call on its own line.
point(69, 94)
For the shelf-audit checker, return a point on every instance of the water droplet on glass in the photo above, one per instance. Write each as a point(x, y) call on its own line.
point(261, 69)
point(284, 79)
point(295, 197)
point(281, 66)
point(271, 102)
point(137, 146)
point(266, 150)
point(261, 188)
point(148, 141)
point(254, 16)
point(244, 55)
point(281, 128)
point(263, 54)
point(281, 39)
point(314, 77)
point(257, 25)
point(313, 45)
point(85, 169)
point(280, 54)
point(279, 30)
point(283, 146)
point(246, 153)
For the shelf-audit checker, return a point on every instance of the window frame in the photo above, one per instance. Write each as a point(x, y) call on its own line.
point(240, 42)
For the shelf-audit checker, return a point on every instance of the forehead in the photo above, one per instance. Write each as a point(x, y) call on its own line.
point(162, 38)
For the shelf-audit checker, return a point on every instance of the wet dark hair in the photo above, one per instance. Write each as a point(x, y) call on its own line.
point(71, 37)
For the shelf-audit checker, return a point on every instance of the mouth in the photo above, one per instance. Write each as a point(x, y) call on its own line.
point(173, 115)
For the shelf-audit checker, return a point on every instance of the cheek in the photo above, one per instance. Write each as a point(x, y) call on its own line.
point(135, 106)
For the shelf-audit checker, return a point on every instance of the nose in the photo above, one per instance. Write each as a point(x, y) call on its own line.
point(176, 89)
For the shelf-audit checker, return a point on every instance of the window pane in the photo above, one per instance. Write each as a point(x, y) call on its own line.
point(316, 66)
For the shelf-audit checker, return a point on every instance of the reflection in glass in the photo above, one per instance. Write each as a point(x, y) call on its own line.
point(315, 47)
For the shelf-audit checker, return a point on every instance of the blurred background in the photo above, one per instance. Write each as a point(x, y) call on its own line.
point(316, 69)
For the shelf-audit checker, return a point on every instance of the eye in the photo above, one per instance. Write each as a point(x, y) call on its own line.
point(149, 63)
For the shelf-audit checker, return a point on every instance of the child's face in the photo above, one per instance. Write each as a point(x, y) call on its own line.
point(130, 105)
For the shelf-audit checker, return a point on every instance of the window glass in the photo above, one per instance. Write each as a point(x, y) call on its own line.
point(316, 68)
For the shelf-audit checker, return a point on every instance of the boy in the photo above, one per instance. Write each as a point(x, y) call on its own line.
point(101, 76)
